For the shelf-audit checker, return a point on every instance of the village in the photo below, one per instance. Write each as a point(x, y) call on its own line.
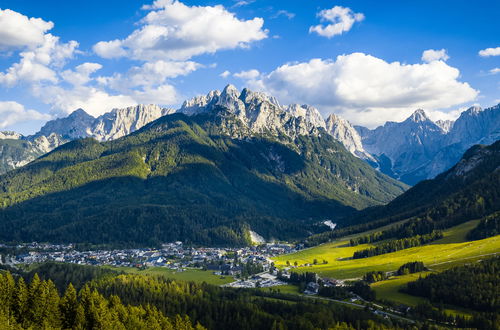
point(252, 266)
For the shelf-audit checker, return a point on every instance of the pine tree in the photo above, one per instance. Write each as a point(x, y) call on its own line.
point(69, 307)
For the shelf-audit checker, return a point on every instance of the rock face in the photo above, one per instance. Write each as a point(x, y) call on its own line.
point(419, 148)
point(446, 125)
point(258, 112)
point(121, 122)
point(79, 124)
point(344, 132)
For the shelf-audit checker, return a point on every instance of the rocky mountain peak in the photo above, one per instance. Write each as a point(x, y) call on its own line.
point(309, 113)
point(418, 116)
point(71, 127)
point(230, 91)
point(472, 111)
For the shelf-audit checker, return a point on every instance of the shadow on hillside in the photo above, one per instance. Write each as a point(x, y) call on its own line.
point(198, 203)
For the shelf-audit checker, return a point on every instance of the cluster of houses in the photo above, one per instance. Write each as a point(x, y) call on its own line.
point(176, 256)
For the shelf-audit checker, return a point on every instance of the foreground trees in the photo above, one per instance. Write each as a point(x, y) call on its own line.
point(39, 306)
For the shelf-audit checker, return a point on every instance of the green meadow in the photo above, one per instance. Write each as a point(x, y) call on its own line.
point(194, 275)
point(451, 250)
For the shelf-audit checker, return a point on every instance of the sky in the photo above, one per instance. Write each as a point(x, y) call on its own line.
point(367, 61)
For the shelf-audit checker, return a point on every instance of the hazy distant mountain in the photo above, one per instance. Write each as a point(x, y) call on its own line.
point(419, 148)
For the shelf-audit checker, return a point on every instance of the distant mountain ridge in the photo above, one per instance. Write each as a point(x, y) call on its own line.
point(410, 151)
point(418, 148)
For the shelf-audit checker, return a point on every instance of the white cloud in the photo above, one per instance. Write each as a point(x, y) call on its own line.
point(225, 74)
point(19, 31)
point(149, 74)
point(140, 84)
point(163, 94)
point(175, 31)
point(81, 74)
point(12, 112)
point(38, 64)
point(495, 71)
point(339, 20)
point(109, 49)
point(365, 89)
point(430, 55)
point(247, 75)
point(490, 52)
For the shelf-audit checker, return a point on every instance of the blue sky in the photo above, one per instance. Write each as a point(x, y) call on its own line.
point(281, 47)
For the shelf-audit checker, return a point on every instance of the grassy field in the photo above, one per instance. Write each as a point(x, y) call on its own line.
point(195, 275)
point(449, 251)
point(389, 289)
point(283, 289)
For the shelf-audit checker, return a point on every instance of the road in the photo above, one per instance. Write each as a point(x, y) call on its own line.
point(377, 308)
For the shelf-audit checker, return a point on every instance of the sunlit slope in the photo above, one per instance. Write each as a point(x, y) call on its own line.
point(449, 251)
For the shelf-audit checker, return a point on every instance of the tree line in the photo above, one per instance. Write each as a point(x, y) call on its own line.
point(396, 245)
point(475, 286)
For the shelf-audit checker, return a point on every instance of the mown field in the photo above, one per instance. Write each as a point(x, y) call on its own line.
point(451, 250)
point(195, 275)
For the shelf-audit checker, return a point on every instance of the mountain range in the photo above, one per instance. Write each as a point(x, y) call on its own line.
point(410, 151)
point(418, 148)
point(223, 165)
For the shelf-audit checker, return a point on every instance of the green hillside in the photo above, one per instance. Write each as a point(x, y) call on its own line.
point(469, 190)
point(181, 178)
point(452, 249)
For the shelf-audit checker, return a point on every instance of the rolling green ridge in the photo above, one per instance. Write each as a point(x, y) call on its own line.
point(182, 178)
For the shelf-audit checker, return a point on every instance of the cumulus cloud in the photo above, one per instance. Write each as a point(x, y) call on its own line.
point(365, 89)
point(147, 83)
point(38, 64)
point(12, 113)
point(430, 55)
point(490, 52)
point(175, 31)
point(338, 20)
point(81, 74)
point(247, 75)
point(19, 31)
point(149, 74)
